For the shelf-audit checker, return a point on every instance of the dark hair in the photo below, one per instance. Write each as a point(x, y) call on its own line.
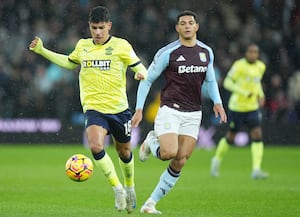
point(99, 14)
point(252, 44)
point(187, 13)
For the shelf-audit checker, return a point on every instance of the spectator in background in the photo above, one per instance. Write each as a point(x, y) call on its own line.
point(274, 25)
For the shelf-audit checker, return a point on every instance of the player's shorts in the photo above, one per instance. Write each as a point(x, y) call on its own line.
point(238, 120)
point(169, 120)
point(119, 125)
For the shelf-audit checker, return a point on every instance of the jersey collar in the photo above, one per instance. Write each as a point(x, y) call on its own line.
point(105, 41)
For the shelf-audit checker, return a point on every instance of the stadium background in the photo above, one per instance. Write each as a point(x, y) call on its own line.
point(39, 102)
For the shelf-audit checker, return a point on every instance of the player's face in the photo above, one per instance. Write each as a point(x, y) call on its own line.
point(100, 31)
point(187, 27)
point(252, 53)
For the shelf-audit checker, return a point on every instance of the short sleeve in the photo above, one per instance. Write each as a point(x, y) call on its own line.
point(128, 55)
point(74, 55)
point(234, 71)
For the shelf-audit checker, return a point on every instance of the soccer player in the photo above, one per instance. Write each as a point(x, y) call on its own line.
point(102, 79)
point(185, 63)
point(244, 82)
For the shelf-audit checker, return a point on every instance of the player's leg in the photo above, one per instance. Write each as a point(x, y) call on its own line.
point(257, 151)
point(222, 148)
point(171, 175)
point(236, 120)
point(189, 124)
point(120, 125)
point(257, 146)
point(126, 162)
point(95, 135)
point(163, 143)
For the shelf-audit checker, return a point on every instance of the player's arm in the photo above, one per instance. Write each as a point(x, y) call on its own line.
point(230, 84)
point(139, 70)
point(129, 57)
point(260, 92)
point(60, 59)
point(213, 92)
point(154, 71)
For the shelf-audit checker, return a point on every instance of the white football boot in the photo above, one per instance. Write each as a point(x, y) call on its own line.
point(120, 199)
point(259, 174)
point(149, 207)
point(145, 150)
point(130, 199)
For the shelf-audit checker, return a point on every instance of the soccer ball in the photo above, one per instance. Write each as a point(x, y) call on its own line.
point(79, 167)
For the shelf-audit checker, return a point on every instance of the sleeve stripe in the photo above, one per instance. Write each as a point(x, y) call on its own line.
point(135, 64)
point(72, 61)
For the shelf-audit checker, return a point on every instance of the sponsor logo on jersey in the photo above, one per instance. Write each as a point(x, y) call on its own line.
point(101, 64)
point(191, 69)
point(202, 57)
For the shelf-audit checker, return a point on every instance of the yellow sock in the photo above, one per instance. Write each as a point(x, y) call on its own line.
point(106, 166)
point(257, 151)
point(222, 148)
point(128, 172)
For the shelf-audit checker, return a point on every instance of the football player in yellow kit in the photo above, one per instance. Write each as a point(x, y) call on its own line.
point(103, 61)
point(244, 82)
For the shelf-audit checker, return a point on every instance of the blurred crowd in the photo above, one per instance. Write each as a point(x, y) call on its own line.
point(33, 87)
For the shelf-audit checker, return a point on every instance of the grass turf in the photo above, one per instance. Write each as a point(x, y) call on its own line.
point(33, 184)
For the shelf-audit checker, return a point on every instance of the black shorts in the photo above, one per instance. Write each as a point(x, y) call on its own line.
point(238, 120)
point(119, 125)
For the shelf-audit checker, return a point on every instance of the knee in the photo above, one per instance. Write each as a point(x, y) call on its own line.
point(256, 134)
point(167, 154)
point(178, 164)
point(95, 145)
point(124, 153)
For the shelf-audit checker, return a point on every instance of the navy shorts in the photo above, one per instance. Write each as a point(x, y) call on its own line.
point(238, 120)
point(119, 125)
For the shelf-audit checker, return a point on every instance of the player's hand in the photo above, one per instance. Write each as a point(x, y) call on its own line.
point(261, 102)
point(137, 118)
point(36, 45)
point(139, 76)
point(250, 95)
point(220, 112)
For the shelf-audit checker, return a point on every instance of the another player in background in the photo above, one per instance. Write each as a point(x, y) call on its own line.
point(186, 63)
point(104, 60)
point(244, 82)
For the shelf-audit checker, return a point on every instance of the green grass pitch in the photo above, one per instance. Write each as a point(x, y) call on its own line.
point(33, 184)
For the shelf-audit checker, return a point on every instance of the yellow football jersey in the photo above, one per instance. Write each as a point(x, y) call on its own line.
point(244, 78)
point(102, 77)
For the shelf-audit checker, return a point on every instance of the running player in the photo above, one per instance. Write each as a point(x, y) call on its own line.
point(244, 81)
point(102, 79)
point(186, 63)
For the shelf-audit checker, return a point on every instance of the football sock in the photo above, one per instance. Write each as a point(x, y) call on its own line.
point(154, 147)
point(257, 149)
point(127, 167)
point(105, 164)
point(222, 148)
point(166, 183)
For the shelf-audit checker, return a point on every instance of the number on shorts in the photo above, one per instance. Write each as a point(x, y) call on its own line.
point(128, 128)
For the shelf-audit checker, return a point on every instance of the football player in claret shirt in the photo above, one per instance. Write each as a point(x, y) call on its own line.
point(244, 82)
point(185, 63)
point(103, 61)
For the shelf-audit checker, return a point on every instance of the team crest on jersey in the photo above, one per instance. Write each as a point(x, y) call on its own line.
point(109, 51)
point(202, 56)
